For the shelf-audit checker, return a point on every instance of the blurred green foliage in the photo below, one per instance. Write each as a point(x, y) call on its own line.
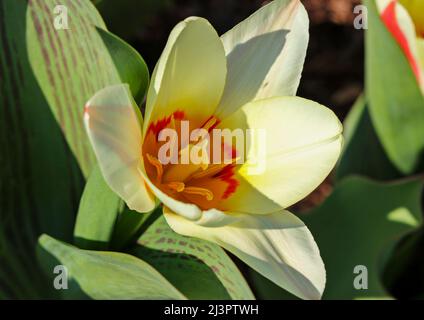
point(360, 223)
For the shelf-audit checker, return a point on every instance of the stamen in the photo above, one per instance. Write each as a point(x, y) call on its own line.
point(184, 169)
point(156, 163)
point(176, 186)
point(210, 123)
point(202, 147)
point(199, 191)
point(212, 169)
point(213, 181)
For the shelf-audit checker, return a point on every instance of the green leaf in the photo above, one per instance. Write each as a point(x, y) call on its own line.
point(130, 225)
point(131, 66)
point(362, 153)
point(358, 224)
point(97, 214)
point(46, 76)
point(69, 73)
point(103, 275)
point(199, 269)
point(395, 100)
point(40, 181)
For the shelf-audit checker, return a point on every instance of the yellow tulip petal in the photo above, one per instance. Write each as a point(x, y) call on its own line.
point(279, 246)
point(300, 143)
point(265, 55)
point(416, 10)
point(248, 199)
point(113, 126)
point(190, 74)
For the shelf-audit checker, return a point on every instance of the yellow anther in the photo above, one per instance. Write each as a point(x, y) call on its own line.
point(210, 123)
point(200, 192)
point(176, 186)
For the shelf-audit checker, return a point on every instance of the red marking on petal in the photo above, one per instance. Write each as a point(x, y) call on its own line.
point(227, 175)
point(390, 20)
point(230, 151)
point(156, 127)
point(179, 115)
point(234, 153)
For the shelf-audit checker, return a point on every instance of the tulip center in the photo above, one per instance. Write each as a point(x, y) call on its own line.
point(180, 159)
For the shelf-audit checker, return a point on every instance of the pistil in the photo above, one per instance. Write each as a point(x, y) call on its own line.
point(158, 166)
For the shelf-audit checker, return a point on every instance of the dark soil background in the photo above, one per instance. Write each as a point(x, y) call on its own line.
point(334, 69)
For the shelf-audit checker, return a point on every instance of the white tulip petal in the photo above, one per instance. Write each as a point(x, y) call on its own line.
point(187, 210)
point(214, 218)
point(265, 55)
point(279, 246)
point(114, 129)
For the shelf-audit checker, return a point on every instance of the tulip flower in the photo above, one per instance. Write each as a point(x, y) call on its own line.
point(246, 79)
point(405, 20)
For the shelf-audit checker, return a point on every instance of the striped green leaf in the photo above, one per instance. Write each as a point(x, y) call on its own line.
point(198, 268)
point(46, 76)
point(101, 274)
point(70, 65)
